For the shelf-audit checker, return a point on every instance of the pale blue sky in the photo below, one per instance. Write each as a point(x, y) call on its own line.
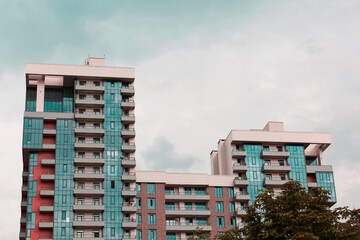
point(202, 69)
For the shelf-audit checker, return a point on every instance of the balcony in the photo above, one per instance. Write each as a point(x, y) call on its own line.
point(47, 177)
point(46, 209)
point(45, 225)
point(183, 211)
point(186, 197)
point(25, 175)
point(22, 220)
point(240, 212)
point(90, 131)
point(129, 224)
point(24, 189)
point(312, 184)
point(187, 228)
point(242, 197)
point(128, 104)
point(128, 147)
point(88, 207)
point(129, 177)
point(238, 153)
point(275, 154)
point(22, 235)
point(130, 118)
point(129, 208)
point(128, 193)
point(241, 182)
point(89, 88)
point(276, 168)
point(47, 193)
point(49, 131)
point(322, 168)
point(88, 224)
point(129, 237)
point(89, 161)
point(128, 162)
point(88, 238)
point(89, 144)
point(49, 146)
point(128, 91)
point(89, 102)
point(89, 191)
point(275, 182)
point(23, 205)
point(88, 175)
point(128, 132)
point(239, 168)
point(89, 115)
point(48, 162)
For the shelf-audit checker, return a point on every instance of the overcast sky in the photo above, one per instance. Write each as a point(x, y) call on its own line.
point(202, 69)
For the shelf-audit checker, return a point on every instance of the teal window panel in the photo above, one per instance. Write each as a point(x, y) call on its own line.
point(152, 234)
point(232, 207)
point(218, 192)
point(138, 234)
point(151, 219)
point(220, 222)
point(169, 206)
point(151, 203)
point(53, 100)
point(297, 162)
point(231, 192)
point(233, 222)
point(200, 206)
point(33, 133)
point(325, 180)
point(219, 207)
point(170, 236)
point(199, 191)
point(151, 188)
point(30, 99)
point(138, 218)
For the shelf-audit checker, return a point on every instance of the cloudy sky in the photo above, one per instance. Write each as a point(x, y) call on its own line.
point(202, 69)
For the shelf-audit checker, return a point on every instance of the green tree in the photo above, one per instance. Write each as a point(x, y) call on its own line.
point(348, 223)
point(295, 214)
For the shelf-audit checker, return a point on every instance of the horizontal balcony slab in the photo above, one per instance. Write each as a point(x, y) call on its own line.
point(273, 154)
point(185, 197)
point(47, 193)
point(240, 197)
point(89, 88)
point(323, 168)
point(128, 163)
point(88, 224)
point(187, 212)
point(89, 192)
point(49, 146)
point(241, 182)
point(90, 145)
point(46, 209)
point(25, 174)
point(22, 235)
point(23, 204)
point(89, 102)
point(276, 168)
point(131, 178)
point(272, 182)
point(129, 208)
point(47, 177)
point(128, 105)
point(312, 184)
point(22, 220)
point(240, 168)
point(48, 162)
point(89, 161)
point(240, 212)
point(238, 153)
point(187, 228)
point(49, 115)
point(127, 91)
point(128, 119)
point(89, 207)
point(24, 188)
point(88, 238)
point(89, 176)
point(88, 131)
point(49, 131)
point(128, 193)
point(128, 133)
point(128, 148)
point(128, 225)
point(46, 225)
point(89, 116)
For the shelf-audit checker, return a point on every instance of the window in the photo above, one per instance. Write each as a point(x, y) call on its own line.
point(81, 185)
point(254, 175)
point(65, 138)
point(80, 201)
point(96, 155)
point(169, 206)
point(96, 185)
point(64, 183)
point(200, 206)
point(80, 217)
point(29, 138)
point(151, 188)
point(187, 191)
point(281, 162)
point(112, 139)
point(112, 124)
point(267, 163)
point(66, 123)
point(231, 192)
point(220, 222)
point(112, 169)
point(199, 191)
point(64, 199)
point(138, 234)
point(265, 148)
point(189, 221)
point(169, 190)
point(81, 170)
point(282, 177)
point(96, 233)
point(138, 188)
point(138, 218)
point(219, 207)
point(138, 203)
point(96, 140)
point(232, 207)
point(65, 152)
point(65, 168)
point(113, 184)
point(201, 221)
point(63, 231)
point(97, 125)
point(112, 200)
point(97, 84)
point(151, 203)
point(80, 233)
point(151, 219)
point(279, 148)
point(112, 231)
point(82, 83)
point(82, 96)
point(112, 83)
point(170, 222)
point(297, 176)
point(29, 216)
point(82, 110)
point(96, 201)
point(112, 96)
point(218, 192)
point(96, 217)
point(152, 234)
point(112, 110)
point(96, 170)
point(188, 206)
point(81, 140)
point(81, 155)
point(96, 111)
point(96, 97)
point(170, 236)
point(268, 176)
point(30, 122)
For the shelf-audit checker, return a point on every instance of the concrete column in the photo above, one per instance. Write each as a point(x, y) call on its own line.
point(40, 94)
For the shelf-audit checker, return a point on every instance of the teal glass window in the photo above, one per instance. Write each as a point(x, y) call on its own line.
point(169, 206)
point(219, 207)
point(200, 206)
point(151, 219)
point(220, 222)
point(200, 221)
point(188, 206)
point(187, 191)
point(64, 199)
point(138, 188)
point(199, 191)
point(170, 236)
point(151, 234)
point(169, 190)
point(232, 207)
point(29, 216)
point(138, 218)
point(112, 231)
point(218, 192)
point(138, 234)
point(30, 99)
point(112, 200)
point(112, 215)
point(138, 203)
point(231, 192)
point(151, 188)
point(233, 222)
point(63, 231)
point(151, 203)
